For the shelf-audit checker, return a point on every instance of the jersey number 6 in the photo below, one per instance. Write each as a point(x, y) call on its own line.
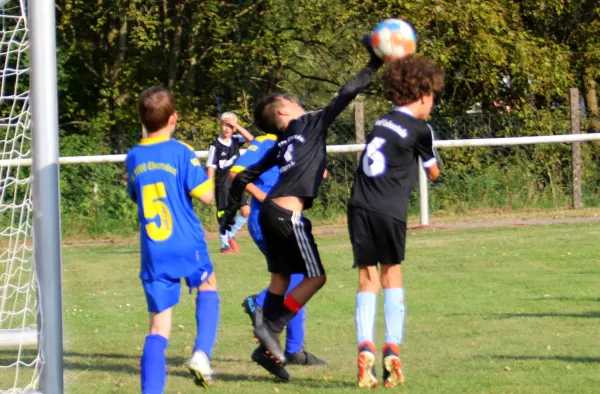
point(376, 158)
point(152, 206)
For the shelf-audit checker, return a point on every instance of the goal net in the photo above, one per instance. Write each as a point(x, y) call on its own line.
point(19, 356)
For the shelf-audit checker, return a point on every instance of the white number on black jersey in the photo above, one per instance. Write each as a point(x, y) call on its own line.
point(374, 160)
point(289, 153)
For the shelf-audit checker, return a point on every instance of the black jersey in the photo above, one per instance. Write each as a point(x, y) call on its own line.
point(221, 156)
point(300, 150)
point(388, 168)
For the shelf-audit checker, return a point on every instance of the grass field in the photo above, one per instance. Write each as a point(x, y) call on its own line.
point(506, 310)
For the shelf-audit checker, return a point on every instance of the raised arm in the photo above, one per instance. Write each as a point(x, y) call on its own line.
point(352, 88)
point(240, 129)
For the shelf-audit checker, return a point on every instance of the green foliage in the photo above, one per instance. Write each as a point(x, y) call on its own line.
point(93, 197)
point(512, 61)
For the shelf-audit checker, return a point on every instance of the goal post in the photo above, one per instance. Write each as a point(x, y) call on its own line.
point(46, 191)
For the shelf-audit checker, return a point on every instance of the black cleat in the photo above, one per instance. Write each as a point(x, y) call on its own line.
point(253, 310)
point(261, 358)
point(270, 341)
point(302, 357)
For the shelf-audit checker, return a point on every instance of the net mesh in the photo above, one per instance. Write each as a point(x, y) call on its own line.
point(19, 361)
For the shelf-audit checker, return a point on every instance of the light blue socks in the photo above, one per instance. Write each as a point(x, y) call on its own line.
point(393, 303)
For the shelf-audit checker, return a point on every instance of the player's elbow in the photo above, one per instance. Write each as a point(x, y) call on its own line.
point(232, 175)
point(207, 197)
point(433, 172)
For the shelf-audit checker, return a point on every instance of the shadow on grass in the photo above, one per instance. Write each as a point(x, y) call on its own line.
point(564, 298)
point(584, 315)
point(116, 252)
point(570, 359)
point(314, 383)
point(129, 364)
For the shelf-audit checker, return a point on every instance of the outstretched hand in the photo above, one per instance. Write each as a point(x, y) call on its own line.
point(367, 42)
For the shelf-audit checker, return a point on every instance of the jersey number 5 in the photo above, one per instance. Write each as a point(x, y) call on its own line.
point(374, 160)
point(152, 206)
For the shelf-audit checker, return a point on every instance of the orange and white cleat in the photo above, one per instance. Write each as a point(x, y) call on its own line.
point(234, 245)
point(366, 366)
point(392, 367)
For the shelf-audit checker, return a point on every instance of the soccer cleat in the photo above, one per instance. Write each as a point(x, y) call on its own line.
point(260, 357)
point(302, 357)
point(234, 245)
point(392, 367)
point(253, 310)
point(199, 367)
point(366, 366)
point(227, 250)
point(270, 341)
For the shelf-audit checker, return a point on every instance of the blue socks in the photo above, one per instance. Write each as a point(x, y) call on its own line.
point(294, 337)
point(153, 364)
point(207, 320)
point(366, 308)
point(296, 328)
point(393, 301)
point(237, 225)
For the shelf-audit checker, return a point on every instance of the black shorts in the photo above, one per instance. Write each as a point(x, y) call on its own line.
point(375, 237)
point(221, 196)
point(289, 243)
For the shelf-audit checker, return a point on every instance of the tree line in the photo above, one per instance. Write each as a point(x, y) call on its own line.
point(503, 57)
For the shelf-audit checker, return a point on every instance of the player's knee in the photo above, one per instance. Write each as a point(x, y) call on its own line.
point(320, 281)
point(368, 279)
point(245, 211)
point(209, 284)
point(160, 323)
point(391, 276)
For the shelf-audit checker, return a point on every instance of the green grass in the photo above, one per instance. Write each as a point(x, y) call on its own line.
point(509, 310)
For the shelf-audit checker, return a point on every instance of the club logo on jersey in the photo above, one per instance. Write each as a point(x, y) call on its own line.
point(388, 124)
point(286, 151)
point(227, 163)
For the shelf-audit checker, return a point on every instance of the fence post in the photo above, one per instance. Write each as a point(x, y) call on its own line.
point(576, 162)
point(359, 123)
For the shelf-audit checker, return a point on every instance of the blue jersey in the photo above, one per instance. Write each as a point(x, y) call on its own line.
point(257, 149)
point(163, 174)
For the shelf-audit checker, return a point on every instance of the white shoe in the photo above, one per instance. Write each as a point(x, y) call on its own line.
point(199, 366)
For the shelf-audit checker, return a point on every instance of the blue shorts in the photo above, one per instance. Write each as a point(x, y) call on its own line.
point(162, 294)
point(254, 229)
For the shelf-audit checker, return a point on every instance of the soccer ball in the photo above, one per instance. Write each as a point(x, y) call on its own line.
point(393, 38)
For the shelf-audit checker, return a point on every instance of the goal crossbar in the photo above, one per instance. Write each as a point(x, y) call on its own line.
point(18, 337)
point(351, 148)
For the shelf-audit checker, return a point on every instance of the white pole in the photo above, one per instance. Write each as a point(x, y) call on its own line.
point(423, 194)
point(46, 191)
point(351, 148)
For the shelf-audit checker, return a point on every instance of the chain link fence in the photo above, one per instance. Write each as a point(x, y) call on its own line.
point(496, 178)
point(94, 200)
